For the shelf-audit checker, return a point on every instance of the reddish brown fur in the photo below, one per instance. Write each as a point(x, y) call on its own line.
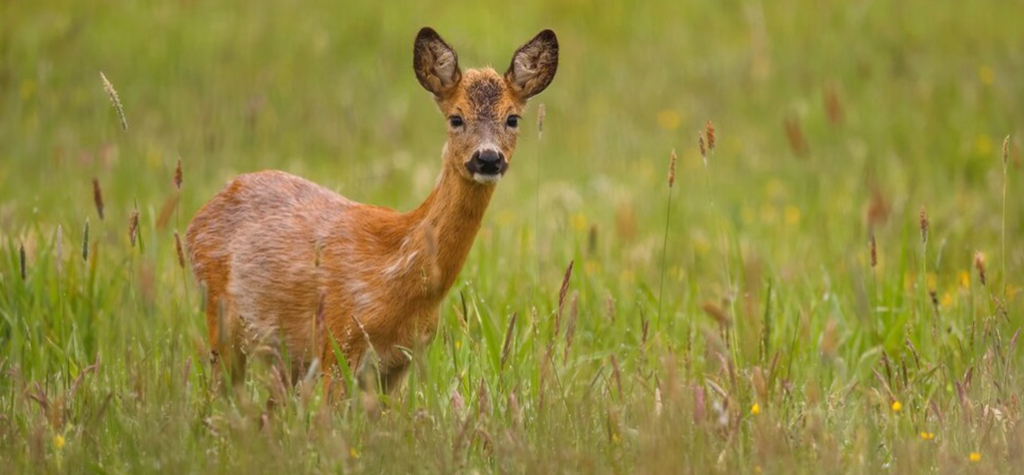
point(270, 244)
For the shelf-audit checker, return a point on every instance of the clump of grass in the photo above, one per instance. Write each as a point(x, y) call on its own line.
point(115, 100)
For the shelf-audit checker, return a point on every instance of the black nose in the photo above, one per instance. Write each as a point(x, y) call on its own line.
point(488, 162)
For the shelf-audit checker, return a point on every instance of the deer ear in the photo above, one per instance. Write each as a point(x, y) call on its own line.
point(534, 65)
point(435, 63)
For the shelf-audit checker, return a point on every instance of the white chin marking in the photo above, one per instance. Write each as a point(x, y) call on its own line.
point(486, 179)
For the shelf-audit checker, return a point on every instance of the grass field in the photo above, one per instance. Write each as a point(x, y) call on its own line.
point(776, 311)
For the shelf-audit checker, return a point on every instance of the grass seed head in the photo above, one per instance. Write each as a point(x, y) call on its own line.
point(833, 108)
point(97, 197)
point(703, 150)
point(542, 112)
point(979, 263)
point(133, 226)
point(177, 176)
point(1006, 151)
point(795, 136)
point(181, 253)
point(115, 100)
point(874, 251)
point(21, 260)
point(717, 313)
point(672, 169)
point(710, 132)
point(561, 296)
point(85, 242)
point(506, 347)
point(924, 225)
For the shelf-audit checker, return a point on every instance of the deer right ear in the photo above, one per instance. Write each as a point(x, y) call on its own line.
point(435, 63)
point(534, 65)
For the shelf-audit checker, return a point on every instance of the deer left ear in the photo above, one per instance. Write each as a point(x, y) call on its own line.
point(533, 66)
point(435, 63)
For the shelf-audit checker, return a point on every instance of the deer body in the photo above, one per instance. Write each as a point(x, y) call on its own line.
point(286, 262)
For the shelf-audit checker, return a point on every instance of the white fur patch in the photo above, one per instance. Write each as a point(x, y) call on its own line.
point(487, 179)
point(400, 264)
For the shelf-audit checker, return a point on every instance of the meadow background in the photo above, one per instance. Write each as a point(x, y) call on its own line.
point(751, 331)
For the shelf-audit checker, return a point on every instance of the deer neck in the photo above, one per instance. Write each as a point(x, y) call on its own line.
point(447, 222)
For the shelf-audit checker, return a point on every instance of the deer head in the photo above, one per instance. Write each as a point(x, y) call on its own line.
point(483, 108)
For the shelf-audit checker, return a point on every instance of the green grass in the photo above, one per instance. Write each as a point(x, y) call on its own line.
point(103, 363)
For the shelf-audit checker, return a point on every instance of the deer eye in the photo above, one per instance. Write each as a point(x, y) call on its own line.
point(455, 121)
point(512, 121)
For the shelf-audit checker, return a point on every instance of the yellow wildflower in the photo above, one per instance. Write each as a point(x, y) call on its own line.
point(896, 406)
point(755, 409)
point(927, 435)
point(975, 457)
point(579, 222)
point(983, 145)
point(792, 215)
point(986, 75)
point(669, 119)
point(58, 441)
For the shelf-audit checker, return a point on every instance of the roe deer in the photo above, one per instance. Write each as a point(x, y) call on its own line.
point(287, 262)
